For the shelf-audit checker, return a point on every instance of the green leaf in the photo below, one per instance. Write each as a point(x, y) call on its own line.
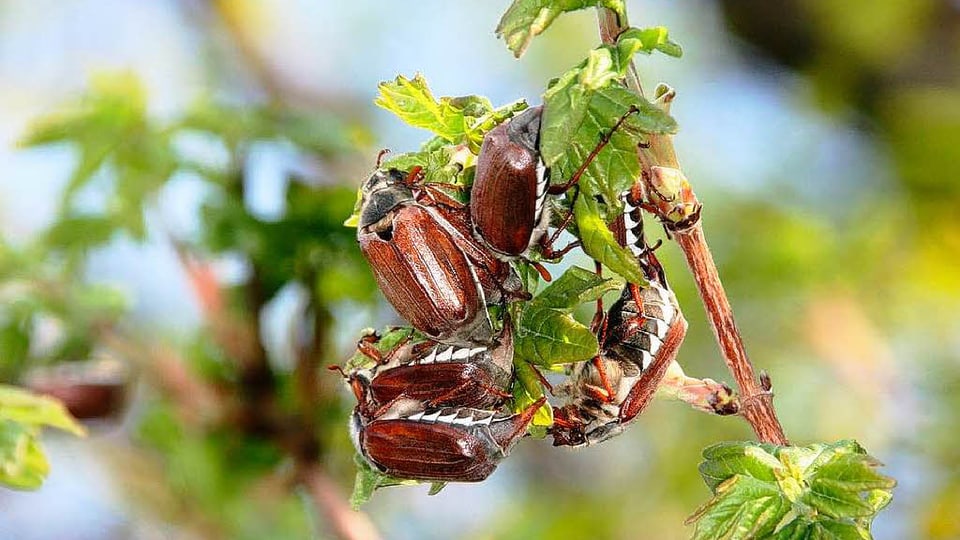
point(368, 480)
point(22, 463)
point(743, 508)
point(576, 286)
point(583, 105)
point(547, 333)
point(456, 120)
point(821, 491)
point(727, 459)
point(803, 529)
point(527, 390)
point(600, 244)
point(526, 19)
point(21, 406)
point(647, 40)
point(413, 102)
point(549, 336)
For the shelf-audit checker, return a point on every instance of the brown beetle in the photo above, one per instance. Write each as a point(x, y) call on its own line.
point(639, 339)
point(453, 444)
point(609, 391)
point(435, 375)
point(510, 187)
point(437, 276)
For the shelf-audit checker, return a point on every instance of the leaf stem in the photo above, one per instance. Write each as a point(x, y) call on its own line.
point(756, 400)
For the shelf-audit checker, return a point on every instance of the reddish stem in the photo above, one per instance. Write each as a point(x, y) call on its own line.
point(757, 403)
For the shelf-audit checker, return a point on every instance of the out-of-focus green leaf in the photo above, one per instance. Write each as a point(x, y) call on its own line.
point(22, 463)
point(22, 415)
point(816, 491)
point(80, 231)
point(21, 406)
point(547, 333)
point(600, 244)
point(526, 19)
point(113, 135)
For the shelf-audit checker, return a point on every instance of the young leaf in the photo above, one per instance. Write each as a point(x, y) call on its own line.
point(526, 19)
point(547, 334)
point(647, 40)
point(527, 390)
point(600, 244)
point(742, 508)
point(413, 102)
point(456, 120)
point(817, 491)
point(728, 459)
point(368, 480)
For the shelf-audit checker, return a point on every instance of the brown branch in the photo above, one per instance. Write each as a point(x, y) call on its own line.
point(325, 493)
point(756, 401)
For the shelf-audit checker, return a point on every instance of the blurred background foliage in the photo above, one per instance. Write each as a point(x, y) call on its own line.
point(180, 212)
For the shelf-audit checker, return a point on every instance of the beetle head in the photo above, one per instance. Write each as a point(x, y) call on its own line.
point(524, 129)
point(381, 193)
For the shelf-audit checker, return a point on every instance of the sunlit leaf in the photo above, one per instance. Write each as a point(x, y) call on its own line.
point(526, 19)
point(547, 333)
point(816, 491)
point(600, 243)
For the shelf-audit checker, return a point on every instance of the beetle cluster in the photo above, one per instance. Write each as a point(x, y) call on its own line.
point(436, 405)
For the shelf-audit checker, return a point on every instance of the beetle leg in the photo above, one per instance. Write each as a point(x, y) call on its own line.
point(650, 379)
point(604, 140)
point(546, 245)
point(380, 155)
point(544, 273)
point(543, 380)
point(369, 350)
point(608, 394)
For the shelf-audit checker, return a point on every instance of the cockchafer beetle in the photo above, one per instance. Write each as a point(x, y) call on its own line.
point(420, 245)
point(639, 338)
point(638, 343)
point(433, 374)
point(510, 187)
point(452, 444)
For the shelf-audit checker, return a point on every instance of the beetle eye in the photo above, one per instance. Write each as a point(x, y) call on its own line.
point(386, 233)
